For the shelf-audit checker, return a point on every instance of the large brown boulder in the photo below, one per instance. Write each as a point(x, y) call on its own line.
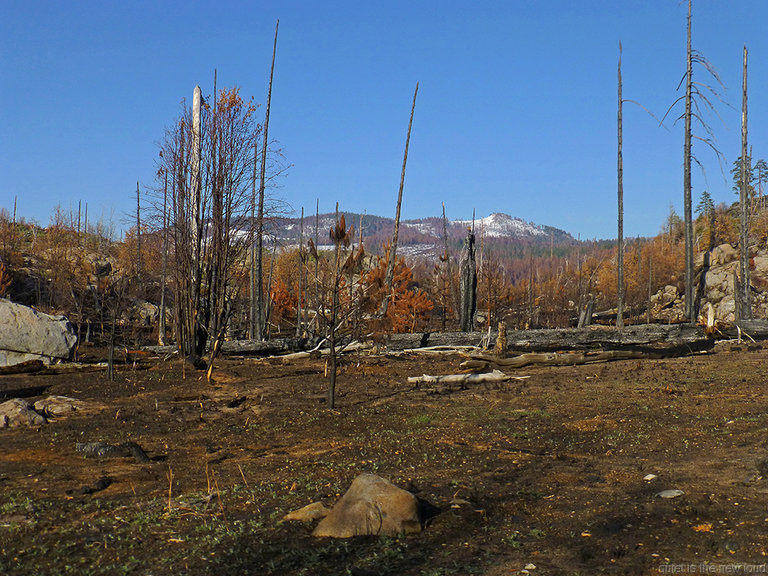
point(26, 334)
point(371, 506)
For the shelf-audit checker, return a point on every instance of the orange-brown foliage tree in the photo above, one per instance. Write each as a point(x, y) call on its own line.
point(409, 306)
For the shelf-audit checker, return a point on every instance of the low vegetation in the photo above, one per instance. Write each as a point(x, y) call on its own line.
point(553, 470)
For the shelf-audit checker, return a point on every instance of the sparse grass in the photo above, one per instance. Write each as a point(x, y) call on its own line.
point(422, 420)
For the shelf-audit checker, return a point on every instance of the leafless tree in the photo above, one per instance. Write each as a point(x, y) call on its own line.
point(338, 301)
point(695, 98)
point(258, 330)
point(620, 240)
point(209, 153)
point(745, 298)
point(393, 251)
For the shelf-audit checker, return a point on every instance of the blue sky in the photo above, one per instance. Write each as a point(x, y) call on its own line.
point(516, 109)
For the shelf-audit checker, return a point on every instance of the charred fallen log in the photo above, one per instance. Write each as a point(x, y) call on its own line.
point(641, 337)
point(252, 347)
point(672, 339)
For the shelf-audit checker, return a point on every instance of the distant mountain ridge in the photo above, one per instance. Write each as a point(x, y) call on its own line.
point(422, 235)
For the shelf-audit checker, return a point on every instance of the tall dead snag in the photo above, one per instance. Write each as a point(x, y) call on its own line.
point(302, 258)
point(620, 240)
point(745, 295)
point(393, 250)
point(138, 233)
point(444, 274)
point(161, 326)
point(687, 210)
point(693, 97)
point(468, 283)
point(260, 312)
point(252, 243)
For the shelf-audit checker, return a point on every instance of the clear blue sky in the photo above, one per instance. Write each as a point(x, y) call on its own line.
point(516, 109)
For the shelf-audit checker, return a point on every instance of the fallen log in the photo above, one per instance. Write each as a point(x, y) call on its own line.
point(483, 362)
point(317, 352)
point(36, 367)
point(23, 367)
point(267, 347)
point(755, 329)
point(495, 376)
point(251, 347)
point(433, 350)
point(682, 337)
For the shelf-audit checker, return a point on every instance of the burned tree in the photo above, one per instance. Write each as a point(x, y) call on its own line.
point(468, 283)
point(208, 153)
point(337, 301)
point(620, 240)
point(694, 97)
point(744, 295)
point(393, 251)
point(259, 318)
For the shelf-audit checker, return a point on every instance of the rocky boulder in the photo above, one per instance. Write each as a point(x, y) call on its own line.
point(371, 506)
point(18, 412)
point(143, 313)
point(53, 406)
point(667, 305)
point(723, 254)
point(26, 334)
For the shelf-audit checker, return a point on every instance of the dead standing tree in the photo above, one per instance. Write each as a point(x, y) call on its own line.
point(258, 323)
point(744, 294)
point(693, 110)
point(393, 250)
point(442, 275)
point(164, 216)
point(468, 283)
point(620, 240)
point(620, 291)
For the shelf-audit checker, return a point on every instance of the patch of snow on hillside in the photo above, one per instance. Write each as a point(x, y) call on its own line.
point(423, 227)
point(501, 225)
point(415, 250)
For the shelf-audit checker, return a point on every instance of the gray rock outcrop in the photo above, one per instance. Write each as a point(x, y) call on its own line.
point(26, 334)
point(371, 506)
point(668, 305)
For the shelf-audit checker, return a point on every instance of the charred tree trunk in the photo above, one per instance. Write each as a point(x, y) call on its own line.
point(260, 312)
point(252, 248)
point(301, 276)
point(161, 327)
point(687, 212)
point(620, 241)
point(388, 279)
point(138, 234)
point(468, 281)
point(744, 294)
point(446, 273)
point(198, 337)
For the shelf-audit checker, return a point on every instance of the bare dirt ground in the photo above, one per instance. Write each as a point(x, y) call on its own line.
point(547, 471)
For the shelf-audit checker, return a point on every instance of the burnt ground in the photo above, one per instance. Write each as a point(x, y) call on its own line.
point(547, 471)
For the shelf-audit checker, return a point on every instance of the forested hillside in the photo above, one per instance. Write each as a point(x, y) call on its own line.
point(534, 280)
